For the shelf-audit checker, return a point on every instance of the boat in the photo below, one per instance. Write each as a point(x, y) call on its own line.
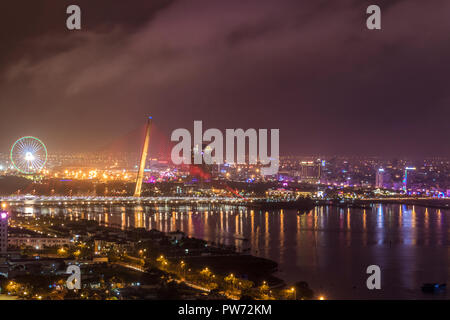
point(434, 287)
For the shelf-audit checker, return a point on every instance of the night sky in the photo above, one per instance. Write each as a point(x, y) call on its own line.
point(310, 68)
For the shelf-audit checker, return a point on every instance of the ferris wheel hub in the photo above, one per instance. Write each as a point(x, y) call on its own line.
point(29, 156)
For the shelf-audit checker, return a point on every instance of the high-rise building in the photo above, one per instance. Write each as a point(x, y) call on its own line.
point(310, 171)
point(3, 231)
point(405, 178)
point(379, 179)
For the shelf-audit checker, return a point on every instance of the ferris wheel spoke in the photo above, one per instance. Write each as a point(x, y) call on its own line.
point(30, 167)
point(34, 146)
point(20, 146)
point(22, 164)
point(22, 161)
point(37, 148)
point(38, 145)
point(39, 164)
point(25, 144)
point(34, 166)
point(30, 145)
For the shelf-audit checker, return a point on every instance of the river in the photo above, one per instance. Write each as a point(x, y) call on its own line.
point(328, 247)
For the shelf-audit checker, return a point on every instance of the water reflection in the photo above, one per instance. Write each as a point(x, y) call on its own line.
point(329, 247)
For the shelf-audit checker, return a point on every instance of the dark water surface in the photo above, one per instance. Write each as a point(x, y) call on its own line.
point(328, 247)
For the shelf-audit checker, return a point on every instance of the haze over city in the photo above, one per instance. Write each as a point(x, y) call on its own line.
point(312, 70)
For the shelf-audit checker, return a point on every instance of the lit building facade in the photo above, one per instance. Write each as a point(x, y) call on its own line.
point(3, 231)
point(405, 178)
point(38, 242)
point(379, 178)
point(310, 171)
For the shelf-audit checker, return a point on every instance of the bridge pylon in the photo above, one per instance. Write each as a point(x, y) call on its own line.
point(144, 152)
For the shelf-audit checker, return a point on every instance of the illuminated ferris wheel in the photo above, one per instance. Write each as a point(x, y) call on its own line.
point(29, 155)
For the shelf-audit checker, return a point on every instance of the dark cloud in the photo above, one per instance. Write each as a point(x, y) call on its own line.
point(310, 68)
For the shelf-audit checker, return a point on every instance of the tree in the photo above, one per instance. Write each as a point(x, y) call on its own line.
point(264, 289)
point(169, 292)
point(3, 283)
point(303, 290)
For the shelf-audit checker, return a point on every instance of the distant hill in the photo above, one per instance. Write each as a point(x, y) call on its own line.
point(10, 184)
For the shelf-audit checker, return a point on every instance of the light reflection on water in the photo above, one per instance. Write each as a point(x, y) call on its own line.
point(328, 247)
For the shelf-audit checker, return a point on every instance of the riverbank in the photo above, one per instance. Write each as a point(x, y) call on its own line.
point(255, 269)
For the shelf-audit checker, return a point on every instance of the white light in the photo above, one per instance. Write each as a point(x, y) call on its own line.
point(29, 156)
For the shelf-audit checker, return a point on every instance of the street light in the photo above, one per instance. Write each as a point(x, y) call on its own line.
point(295, 293)
point(183, 268)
